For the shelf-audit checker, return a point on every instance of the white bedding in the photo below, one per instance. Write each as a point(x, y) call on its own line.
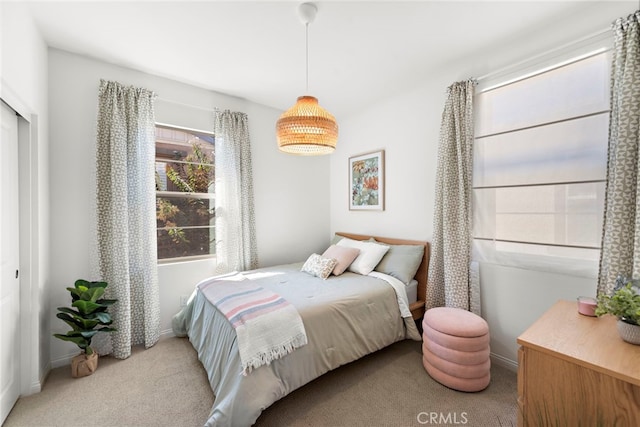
point(412, 291)
point(345, 317)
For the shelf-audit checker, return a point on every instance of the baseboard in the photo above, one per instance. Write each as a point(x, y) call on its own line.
point(62, 361)
point(167, 333)
point(36, 387)
point(66, 360)
point(498, 360)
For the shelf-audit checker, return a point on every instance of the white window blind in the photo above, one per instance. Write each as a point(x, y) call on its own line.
point(540, 158)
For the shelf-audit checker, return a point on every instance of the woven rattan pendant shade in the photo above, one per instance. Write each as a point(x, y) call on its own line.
point(307, 129)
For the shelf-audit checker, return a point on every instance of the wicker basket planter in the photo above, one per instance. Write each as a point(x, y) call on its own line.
point(84, 365)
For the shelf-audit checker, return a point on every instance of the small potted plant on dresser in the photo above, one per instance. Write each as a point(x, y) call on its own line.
point(89, 317)
point(624, 303)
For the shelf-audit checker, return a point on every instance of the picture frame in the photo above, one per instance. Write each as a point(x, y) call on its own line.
point(366, 181)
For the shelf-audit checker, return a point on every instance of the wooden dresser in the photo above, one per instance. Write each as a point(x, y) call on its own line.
point(575, 370)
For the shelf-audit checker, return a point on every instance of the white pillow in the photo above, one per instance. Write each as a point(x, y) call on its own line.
point(370, 255)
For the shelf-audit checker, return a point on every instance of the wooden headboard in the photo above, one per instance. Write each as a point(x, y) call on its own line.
point(417, 308)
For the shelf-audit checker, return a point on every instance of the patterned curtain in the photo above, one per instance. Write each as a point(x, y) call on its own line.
point(620, 253)
point(236, 248)
point(126, 215)
point(449, 282)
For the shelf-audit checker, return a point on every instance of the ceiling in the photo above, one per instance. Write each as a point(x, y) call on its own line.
point(359, 51)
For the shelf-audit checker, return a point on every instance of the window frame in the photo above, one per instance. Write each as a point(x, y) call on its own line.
point(186, 195)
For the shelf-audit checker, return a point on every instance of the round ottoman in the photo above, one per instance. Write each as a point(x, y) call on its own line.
point(455, 348)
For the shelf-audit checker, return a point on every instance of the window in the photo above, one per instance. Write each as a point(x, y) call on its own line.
point(540, 158)
point(185, 204)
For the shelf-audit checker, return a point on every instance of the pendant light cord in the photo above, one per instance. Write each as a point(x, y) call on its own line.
point(306, 30)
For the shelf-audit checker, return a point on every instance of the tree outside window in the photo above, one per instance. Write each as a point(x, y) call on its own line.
point(185, 174)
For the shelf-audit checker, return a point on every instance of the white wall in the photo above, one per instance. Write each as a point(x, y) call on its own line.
point(408, 137)
point(407, 126)
point(291, 193)
point(23, 85)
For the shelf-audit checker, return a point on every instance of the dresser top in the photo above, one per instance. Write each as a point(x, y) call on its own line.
point(591, 342)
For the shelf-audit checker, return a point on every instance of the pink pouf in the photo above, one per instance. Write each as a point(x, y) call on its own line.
point(455, 349)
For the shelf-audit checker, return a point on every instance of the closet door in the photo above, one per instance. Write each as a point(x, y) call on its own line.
point(9, 280)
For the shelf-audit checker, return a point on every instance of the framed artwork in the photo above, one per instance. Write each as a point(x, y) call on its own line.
point(366, 181)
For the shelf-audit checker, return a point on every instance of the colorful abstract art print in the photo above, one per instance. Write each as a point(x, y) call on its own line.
point(366, 181)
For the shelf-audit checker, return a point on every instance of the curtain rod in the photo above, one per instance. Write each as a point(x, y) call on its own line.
point(595, 35)
point(188, 129)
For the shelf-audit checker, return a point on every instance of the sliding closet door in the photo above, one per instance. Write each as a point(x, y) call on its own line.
point(9, 280)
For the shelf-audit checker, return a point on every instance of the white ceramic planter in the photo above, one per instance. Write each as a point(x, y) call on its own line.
point(628, 332)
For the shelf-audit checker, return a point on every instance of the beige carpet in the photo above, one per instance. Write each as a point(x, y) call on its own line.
point(167, 386)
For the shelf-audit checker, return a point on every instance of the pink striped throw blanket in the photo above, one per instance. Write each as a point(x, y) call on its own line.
point(268, 326)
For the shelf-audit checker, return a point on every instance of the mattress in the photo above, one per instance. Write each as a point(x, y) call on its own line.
point(346, 317)
point(412, 291)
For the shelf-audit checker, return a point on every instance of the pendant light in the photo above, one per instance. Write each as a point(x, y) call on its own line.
point(307, 129)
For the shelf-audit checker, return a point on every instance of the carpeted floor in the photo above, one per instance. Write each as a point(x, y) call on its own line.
point(167, 386)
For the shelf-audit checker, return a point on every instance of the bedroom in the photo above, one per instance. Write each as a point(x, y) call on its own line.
point(61, 88)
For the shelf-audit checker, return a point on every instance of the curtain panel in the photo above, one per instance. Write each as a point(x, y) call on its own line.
point(450, 278)
point(236, 247)
point(126, 215)
point(620, 252)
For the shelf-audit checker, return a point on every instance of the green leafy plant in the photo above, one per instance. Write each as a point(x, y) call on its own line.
point(624, 303)
point(90, 315)
point(192, 173)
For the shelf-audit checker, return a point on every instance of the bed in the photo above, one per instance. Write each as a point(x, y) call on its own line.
point(345, 318)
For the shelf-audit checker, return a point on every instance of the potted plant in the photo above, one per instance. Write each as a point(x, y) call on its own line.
point(89, 317)
point(624, 303)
